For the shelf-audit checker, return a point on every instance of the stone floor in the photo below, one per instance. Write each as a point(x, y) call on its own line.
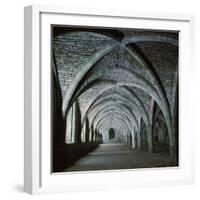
point(119, 156)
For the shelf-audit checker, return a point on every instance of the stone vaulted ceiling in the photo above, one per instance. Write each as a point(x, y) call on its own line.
point(117, 76)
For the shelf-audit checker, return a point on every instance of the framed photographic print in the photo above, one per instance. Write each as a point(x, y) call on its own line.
point(107, 99)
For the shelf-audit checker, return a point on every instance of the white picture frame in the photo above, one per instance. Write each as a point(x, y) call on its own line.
point(37, 143)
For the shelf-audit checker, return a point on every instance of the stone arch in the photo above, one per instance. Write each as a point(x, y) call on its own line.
point(104, 124)
point(114, 110)
point(150, 38)
point(143, 133)
point(106, 102)
point(73, 87)
point(134, 54)
point(122, 91)
point(146, 87)
point(158, 90)
point(116, 123)
point(115, 35)
point(110, 114)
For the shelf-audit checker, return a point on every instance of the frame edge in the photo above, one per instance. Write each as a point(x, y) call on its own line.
point(28, 99)
point(31, 185)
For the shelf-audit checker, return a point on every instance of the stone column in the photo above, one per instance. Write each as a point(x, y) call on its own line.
point(161, 132)
point(138, 134)
point(133, 140)
point(86, 130)
point(150, 138)
point(92, 134)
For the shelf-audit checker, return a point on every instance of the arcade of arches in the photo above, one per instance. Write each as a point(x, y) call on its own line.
point(114, 98)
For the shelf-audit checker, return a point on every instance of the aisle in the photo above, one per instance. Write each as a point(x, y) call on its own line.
point(119, 156)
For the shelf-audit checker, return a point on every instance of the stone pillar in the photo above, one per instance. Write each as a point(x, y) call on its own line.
point(74, 124)
point(96, 134)
point(150, 139)
point(68, 137)
point(138, 134)
point(171, 146)
point(92, 134)
point(171, 142)
point(130, 139)
point(133, 140)
point(86, 130)
point(127, 138)
point(83, 133)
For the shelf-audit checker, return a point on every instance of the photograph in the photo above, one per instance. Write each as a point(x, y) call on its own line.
point(114, 98)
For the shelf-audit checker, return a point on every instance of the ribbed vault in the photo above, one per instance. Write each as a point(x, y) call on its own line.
point(120, 81)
